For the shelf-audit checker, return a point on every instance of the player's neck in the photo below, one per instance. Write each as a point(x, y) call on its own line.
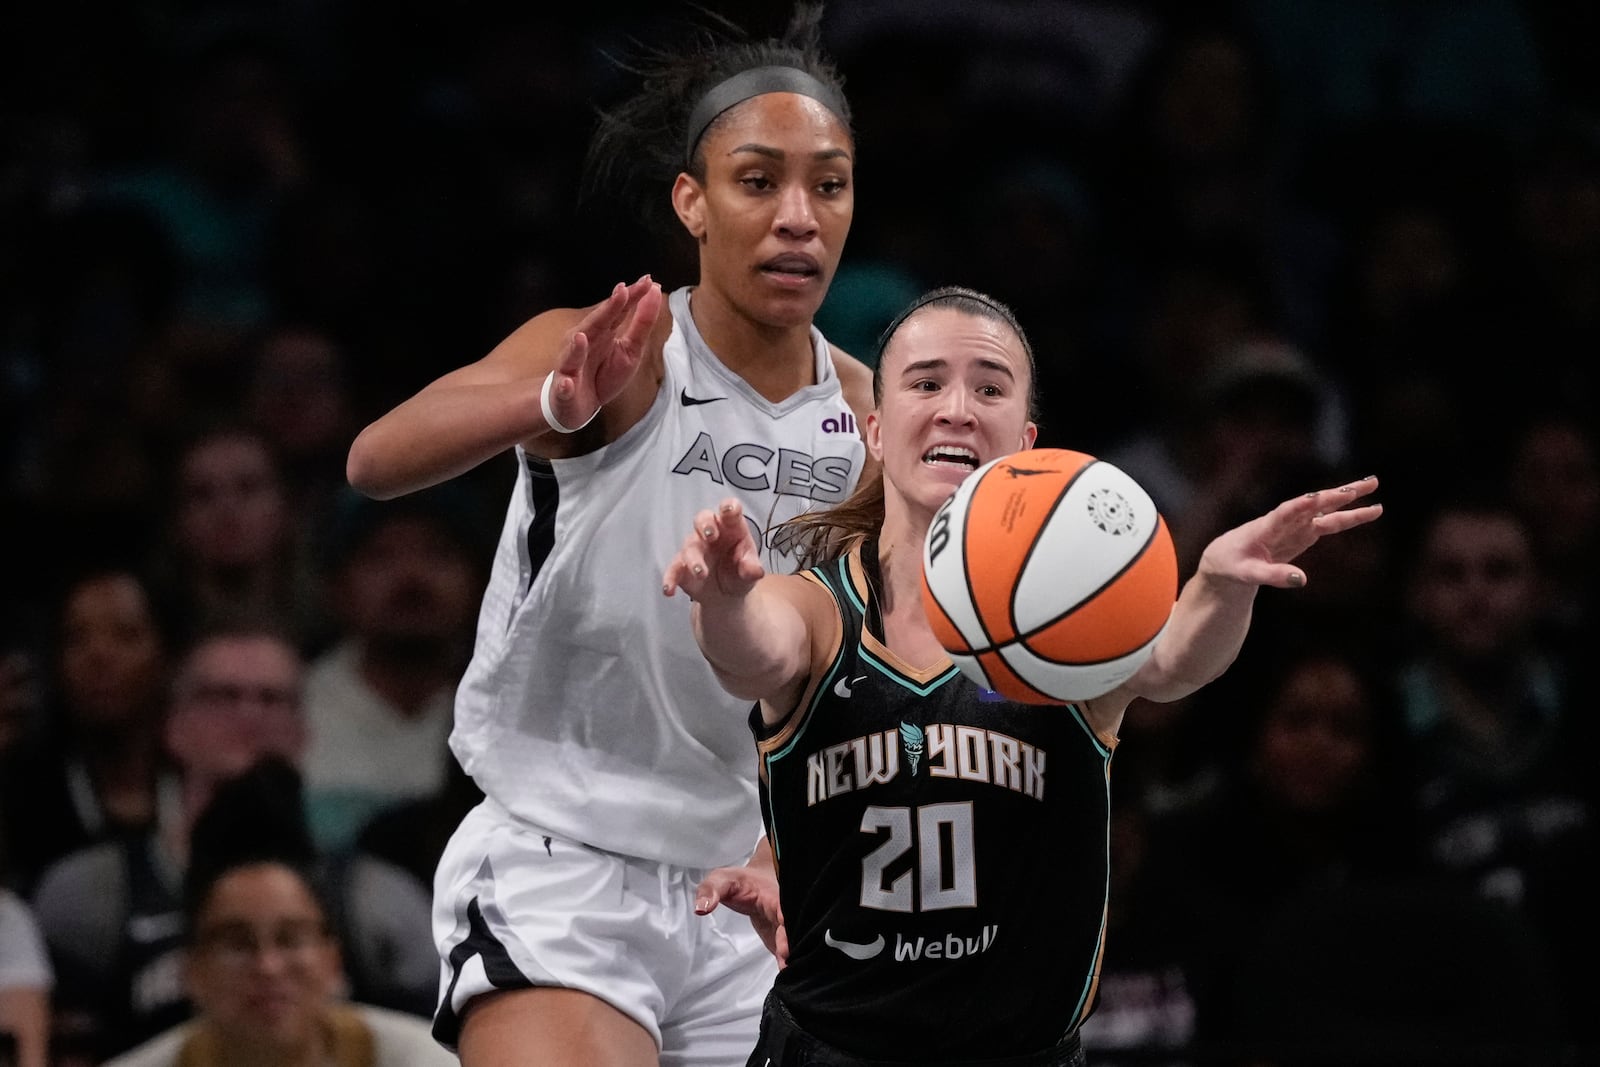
point(777, 361)
point(900, 561)
point(905, 623)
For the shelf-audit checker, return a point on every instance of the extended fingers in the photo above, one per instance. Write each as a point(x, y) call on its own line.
point(573, 358)
point(646, 301)
point(688, 568)
point(1342, 496)
point(1338, 521)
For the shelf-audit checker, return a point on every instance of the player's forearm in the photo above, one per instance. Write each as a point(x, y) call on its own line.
point(756, 644)
point(440, 433)
point(1203, 636)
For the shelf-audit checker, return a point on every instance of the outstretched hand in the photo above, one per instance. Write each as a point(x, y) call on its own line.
point(1261, 551)
point(749, 891)
point(719, 559)
point(603, 351)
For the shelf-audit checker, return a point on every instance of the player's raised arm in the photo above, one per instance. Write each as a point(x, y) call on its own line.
point(550, 376)
point(752, 626)
point(1212, 615)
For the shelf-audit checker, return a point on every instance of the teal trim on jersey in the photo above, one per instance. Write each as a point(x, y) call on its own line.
point(1083, 724)
point(895, 676)
point(1105, 903)
point(849, 590)
point(830, 676)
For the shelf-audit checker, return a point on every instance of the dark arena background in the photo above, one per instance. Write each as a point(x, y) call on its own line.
point(1258, 246)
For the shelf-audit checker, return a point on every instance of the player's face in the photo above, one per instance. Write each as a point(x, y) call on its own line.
point(775, 207)
point(955, 395)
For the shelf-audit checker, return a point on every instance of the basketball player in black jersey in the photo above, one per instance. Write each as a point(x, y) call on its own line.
point(942, 854)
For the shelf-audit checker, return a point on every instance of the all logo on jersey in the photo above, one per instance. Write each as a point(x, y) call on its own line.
point(844, 422)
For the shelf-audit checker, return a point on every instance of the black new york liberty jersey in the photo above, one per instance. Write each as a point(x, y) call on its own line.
point(942, 852)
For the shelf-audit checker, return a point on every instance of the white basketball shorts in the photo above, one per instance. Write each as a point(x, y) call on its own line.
point(515, 907)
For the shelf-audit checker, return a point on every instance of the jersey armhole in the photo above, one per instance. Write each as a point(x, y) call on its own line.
point(824, 653)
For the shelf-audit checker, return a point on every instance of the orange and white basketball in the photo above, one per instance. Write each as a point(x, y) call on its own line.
point(1048, 575)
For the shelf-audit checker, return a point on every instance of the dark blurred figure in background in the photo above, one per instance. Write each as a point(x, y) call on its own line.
point(261, 956)
point(1552, 478)
point(405, 582)
point(288, 219)
point(235, 552)
point(112, 913)
point(94, 770)
point(1499, 724)
point(1314, 800)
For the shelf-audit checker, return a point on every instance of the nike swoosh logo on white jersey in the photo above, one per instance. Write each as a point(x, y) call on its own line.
point(853, 950)
point(689, 401)
point(843, 687)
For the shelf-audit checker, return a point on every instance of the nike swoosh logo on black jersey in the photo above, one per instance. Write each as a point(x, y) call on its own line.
point(846, 686)
point(852, 949)
point(689, 401)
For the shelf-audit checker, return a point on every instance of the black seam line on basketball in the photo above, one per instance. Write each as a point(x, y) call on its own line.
point(1022, 638)
point(689, 401)
point(1055, 505)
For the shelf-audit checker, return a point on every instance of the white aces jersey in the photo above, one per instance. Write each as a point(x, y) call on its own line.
point(588, 709)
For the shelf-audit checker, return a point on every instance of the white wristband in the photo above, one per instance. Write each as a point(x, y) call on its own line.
point(550, 416)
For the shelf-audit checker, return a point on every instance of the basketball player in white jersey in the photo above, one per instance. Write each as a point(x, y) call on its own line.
point(615, 768)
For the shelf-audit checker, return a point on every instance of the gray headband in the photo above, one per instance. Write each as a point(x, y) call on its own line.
point(757, 81)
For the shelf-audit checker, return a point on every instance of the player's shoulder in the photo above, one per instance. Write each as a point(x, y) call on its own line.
point(851, 370)
point(855, 378)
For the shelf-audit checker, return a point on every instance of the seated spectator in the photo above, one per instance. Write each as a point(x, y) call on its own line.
point(92, 770)
point(261, 964)
point(1499, 721)
point(412, 835)
point(235, 551)
point(405, 587)
point(112, 913)
point(1314, 800)
point(25, 980)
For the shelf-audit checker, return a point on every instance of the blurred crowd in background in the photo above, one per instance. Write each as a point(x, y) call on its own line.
point(1260, 246)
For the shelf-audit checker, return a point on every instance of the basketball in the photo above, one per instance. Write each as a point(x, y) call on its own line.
point(1048, 575)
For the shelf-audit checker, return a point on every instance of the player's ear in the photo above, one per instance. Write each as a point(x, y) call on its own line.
point(1030, 434)
point(688, 200)
point(873, 436)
